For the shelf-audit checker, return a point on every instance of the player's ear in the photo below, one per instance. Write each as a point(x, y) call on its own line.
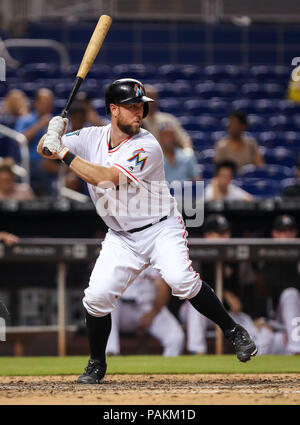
point(114, 110)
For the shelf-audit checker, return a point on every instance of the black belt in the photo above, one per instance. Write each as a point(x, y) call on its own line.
point(139, 229)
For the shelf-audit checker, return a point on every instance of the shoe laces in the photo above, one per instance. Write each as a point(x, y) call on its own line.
point(240, 337)
point(92, 366)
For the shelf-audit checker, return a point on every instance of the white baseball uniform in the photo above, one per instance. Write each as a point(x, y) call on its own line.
point(145, 201)
point(136, 301)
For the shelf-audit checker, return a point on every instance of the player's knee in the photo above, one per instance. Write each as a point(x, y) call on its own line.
point(184, 284)
point(97, 304)
point(289, 293)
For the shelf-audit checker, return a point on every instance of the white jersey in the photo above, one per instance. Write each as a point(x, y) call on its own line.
point(147, 198)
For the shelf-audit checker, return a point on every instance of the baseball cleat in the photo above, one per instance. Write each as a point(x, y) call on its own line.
point(93, 373)
point(244, 345)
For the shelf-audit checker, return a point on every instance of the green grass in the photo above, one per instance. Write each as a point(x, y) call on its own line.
point(22, 366)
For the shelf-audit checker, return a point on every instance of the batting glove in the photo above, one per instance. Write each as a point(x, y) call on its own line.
point(58, 125)
point(53, 143)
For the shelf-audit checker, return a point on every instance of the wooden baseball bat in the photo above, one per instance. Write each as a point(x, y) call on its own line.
point(89, 56)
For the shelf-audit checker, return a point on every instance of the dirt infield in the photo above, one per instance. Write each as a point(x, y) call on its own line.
point(153, 389)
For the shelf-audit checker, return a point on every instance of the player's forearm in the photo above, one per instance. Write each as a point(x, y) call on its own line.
point(93, 173)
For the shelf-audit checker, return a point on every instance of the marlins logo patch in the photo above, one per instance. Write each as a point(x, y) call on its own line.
point(138, 158)
point(139, 91)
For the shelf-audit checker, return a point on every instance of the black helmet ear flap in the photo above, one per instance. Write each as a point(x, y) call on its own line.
point(146, 109)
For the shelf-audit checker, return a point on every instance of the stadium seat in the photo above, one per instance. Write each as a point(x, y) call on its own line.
point(253, 91)
point(33, 71)
point(262, 73)
point(206, 156)
point(207, 171)
point(269, 171)
point(215, 106)
point(281, 156)
point(225, 72)
point(266, 106)
point(262, 188)
point(138, 71)
point(246, 105)
point(207, 90)
point(171, 105)
point(201, 140)
point(287, 106)
point(180, 72)
point(281, 123)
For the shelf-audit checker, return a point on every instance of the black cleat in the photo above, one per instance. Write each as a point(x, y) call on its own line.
point(93, 373)
point(244, 345)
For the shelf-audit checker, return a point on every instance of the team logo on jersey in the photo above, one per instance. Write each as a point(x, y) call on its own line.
point(73, 133)
point(139, 91)
point(137, 157)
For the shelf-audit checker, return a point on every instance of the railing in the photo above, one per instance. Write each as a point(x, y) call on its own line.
point(23, 146)
point(63, 251)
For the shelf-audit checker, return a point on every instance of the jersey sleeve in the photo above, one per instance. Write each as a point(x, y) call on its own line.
point(141, 161)
point(77, 141)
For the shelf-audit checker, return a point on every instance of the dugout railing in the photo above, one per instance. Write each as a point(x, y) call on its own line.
point(69, 250)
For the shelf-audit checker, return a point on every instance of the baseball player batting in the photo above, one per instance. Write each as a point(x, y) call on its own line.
point(123, 155)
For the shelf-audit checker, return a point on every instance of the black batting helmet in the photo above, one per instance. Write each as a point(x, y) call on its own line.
point(124, 91)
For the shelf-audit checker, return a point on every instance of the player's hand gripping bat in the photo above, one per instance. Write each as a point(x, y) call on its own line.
point(90, 54)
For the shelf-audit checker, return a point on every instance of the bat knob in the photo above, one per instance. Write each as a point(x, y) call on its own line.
point(46, 152)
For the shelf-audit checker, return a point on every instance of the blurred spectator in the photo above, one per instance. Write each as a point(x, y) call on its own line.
point(178, 164)
point(293, 191)
point(293, 91)
point(77, 120)
point(217, 227)
point(77, 116)
point(34, 126)
point(92, 116)
point(9, 189)
point(221, 186)
point(142, 309)
point(156, 119)
point(16, 104)
point(8, 238)
point(236, 147)
point(282, 281)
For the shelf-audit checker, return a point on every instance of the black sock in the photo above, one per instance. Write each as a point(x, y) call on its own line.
point(208, 304)
point(98, 329)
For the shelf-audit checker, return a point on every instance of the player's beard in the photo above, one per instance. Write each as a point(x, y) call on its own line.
point(130, 129)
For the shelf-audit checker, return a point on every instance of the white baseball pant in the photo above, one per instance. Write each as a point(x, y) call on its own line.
point(124, 255)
